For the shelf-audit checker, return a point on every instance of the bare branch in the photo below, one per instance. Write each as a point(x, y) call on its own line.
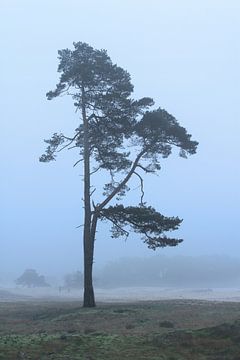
point(123, 182)
point(72, 147)
point(92, 192)
point(142, 190)
point(145, 169)
point(71, 139)
point(94, 206)
point(77, 162)
point(70, 142)
point(96, 170)
point(64, 147)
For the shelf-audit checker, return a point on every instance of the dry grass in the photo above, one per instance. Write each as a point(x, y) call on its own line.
point(169, 329)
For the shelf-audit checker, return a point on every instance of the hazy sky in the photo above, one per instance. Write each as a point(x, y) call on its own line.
point(183, 53)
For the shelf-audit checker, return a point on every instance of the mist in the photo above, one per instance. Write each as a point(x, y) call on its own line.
point(183, 54)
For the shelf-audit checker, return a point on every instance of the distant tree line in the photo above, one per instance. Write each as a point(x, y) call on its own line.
point(178, 271)
point(163, 271)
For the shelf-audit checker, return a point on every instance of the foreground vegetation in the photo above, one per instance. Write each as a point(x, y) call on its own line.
point(164, 330)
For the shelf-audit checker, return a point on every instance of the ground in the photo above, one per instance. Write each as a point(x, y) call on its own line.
point(157, 330)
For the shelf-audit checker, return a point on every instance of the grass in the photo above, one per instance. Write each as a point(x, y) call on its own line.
point(164, 330)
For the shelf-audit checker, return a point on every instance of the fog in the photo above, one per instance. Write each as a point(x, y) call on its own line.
point(183, 54)
point(153, 271)
point(159, 277)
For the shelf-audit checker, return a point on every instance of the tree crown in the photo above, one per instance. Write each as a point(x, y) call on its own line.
point(116, 122)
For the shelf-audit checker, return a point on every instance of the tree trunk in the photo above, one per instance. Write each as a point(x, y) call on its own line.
point(89, 299)
point(88, 242)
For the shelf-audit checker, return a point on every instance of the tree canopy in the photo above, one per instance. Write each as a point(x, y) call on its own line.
point(119, 135)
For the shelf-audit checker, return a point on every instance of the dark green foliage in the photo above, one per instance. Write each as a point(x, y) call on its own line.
point(55, 141)
point(144, 220)
point(158, 131)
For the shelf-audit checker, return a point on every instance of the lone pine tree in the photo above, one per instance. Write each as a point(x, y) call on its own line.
point(118, 135)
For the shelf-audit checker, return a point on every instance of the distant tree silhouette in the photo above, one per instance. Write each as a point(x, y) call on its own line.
point(30, 278)
point(73, 280)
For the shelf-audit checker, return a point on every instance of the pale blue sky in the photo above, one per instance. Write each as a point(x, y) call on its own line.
point(184, 54)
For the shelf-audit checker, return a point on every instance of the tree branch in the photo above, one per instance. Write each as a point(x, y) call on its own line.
point(123, 182)
point(72, 147)
point(96, 170)
point(144, 168)
point(118, 226)
point(77, 162)
point(71, 141)
point(142, 190)
point(92, 192)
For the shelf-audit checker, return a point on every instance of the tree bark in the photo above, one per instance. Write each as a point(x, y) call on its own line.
point(88, 242)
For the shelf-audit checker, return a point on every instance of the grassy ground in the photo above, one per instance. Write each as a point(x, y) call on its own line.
point(164, 330)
